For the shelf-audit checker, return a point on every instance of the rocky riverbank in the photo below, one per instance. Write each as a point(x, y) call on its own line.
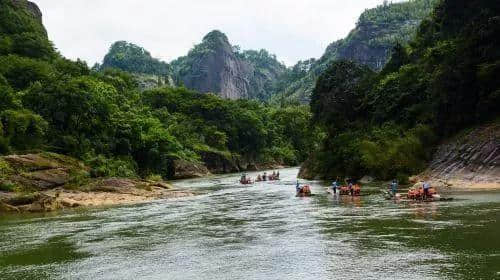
point(48, 182)
point(470, 160)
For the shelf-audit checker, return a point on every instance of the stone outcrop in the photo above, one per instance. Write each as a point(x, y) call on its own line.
point(215, 67)
point(40, 172)
point(469, 160)
point(182, 169)
point(219, 164)
point(47, 182)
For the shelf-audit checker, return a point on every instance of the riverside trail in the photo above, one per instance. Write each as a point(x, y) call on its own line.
point(262, 231)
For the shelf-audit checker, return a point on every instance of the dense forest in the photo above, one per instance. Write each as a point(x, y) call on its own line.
point(369, 43)
point(49, 103)
point(386, 124)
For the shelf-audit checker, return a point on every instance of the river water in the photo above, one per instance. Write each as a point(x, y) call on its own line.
point(260, 232)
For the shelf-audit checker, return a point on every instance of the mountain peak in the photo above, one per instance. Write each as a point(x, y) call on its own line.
point(216, 36)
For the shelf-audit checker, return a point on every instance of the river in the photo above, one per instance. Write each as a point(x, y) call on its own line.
point(260, 232)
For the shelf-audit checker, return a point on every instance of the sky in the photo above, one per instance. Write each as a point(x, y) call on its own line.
point(292, 29)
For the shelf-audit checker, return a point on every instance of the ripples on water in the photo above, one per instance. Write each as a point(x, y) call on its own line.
point(259, 232)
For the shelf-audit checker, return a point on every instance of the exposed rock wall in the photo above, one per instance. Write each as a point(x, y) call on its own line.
point(214, 66)
point(470, 160)
point(219, 71)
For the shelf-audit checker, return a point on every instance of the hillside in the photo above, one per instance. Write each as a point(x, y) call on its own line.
point(216, 66)
point(389, 124)
point(369, 43)
point(149, 71)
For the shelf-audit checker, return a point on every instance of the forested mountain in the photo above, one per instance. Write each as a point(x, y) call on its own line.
point(369, 43)
point(149, 71)
point(49, 103)
point(386, 124)
point(132, 58)
point(216, 66)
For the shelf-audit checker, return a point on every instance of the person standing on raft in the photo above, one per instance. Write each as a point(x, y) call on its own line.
point(335, 186)
point(351, 188)
point(394, 186)
point(426, 187)
point(298, 188)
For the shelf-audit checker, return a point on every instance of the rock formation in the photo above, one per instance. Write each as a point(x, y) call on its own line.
point(215, 66)
point(470, 160)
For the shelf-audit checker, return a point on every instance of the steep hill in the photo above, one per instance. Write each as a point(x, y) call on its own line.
point(149, 71)
point(369, 43)
point(216, 66)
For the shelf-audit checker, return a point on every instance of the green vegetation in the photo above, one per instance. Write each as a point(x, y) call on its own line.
point(53, 104)
point(134, 59)
point(386, 124)
point(370, 43)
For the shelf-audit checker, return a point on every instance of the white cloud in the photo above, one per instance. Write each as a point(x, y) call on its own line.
point(292, 29)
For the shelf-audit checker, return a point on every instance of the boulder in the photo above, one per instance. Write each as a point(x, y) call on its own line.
point(183, 169)
point(219, 163)
point(50, 178)
point(31, 162)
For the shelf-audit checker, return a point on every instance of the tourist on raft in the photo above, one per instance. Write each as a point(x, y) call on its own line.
point(259, 178)
point(394, 186)
point(298, 188)
point(243, 178)
point(264, 178)
point(426, 187)
point(351, 188)
point(335, 186)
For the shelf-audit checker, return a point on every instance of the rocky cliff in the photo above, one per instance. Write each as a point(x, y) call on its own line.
point(470, 160)
point(216, 66)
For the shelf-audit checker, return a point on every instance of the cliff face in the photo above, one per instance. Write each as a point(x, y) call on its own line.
point(218, 70)
point(215, 66)
point(471, 160)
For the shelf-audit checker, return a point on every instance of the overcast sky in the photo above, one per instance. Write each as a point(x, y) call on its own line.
point(292, 29)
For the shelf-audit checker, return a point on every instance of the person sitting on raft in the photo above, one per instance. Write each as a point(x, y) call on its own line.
point(394, 186)
point(278, 174)
point(259, 178)
point(351, 188)
point(264, 177)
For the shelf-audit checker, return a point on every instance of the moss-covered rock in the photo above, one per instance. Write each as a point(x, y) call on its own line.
point(36, 172)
